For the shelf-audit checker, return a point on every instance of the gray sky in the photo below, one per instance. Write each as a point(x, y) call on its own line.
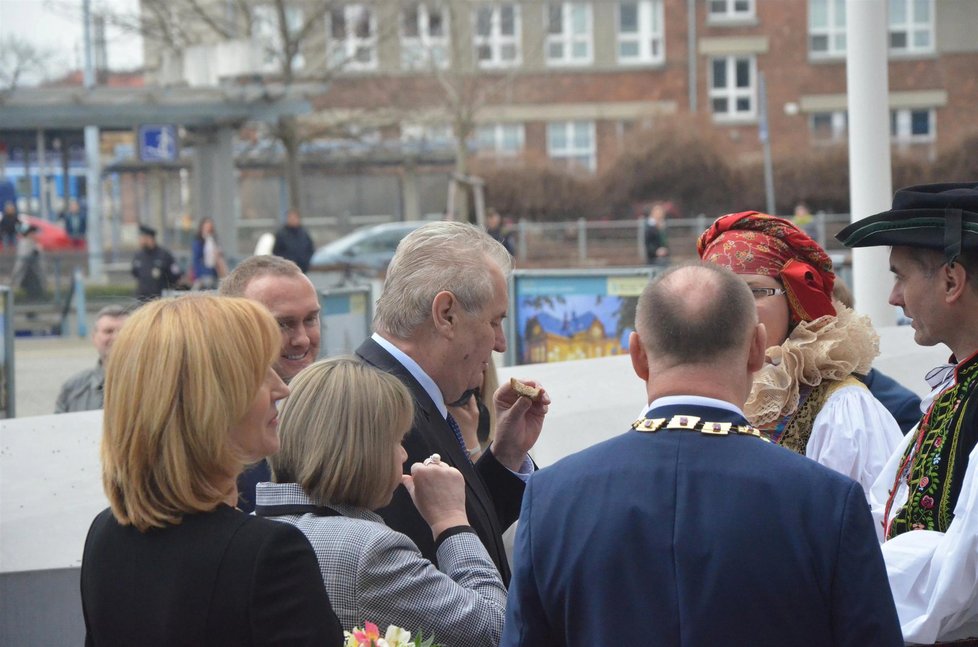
point(56, 25)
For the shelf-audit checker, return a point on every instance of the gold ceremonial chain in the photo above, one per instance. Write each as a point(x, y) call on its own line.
point(694, 423)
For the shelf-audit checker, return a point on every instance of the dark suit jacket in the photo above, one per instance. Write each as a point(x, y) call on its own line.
point(217, 578)
point(898, 399)
point(492, 493)
point(680, 538)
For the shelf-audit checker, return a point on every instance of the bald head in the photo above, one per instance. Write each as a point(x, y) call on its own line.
point(693, 314)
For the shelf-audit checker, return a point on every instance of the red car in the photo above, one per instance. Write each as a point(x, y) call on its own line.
point(50, 236)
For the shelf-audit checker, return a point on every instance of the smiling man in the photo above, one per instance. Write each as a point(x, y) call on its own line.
point(437, 323)
point(289, 295)
point(924, 499)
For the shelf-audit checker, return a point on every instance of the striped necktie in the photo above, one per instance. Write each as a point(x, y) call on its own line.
point(458, 436)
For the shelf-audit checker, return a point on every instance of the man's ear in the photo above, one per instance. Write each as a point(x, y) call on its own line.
point(955, 281)
point(640, 361)
point(444, 312)
point(758, 348)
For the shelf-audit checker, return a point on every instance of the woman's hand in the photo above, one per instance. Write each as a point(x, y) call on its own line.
point(438, 492)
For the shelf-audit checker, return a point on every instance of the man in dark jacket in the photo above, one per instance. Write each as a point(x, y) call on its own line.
point(293, 241)
point(154, 267)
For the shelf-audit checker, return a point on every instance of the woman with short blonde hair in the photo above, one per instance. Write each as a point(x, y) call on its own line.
point(341, 458)
point(190, 398)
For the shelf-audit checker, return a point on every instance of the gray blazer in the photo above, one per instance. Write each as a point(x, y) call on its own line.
point(375, 574)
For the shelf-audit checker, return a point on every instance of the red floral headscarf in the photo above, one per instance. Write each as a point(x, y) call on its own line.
point(756, 243)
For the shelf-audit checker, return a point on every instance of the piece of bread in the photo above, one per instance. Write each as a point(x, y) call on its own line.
point(531, 392)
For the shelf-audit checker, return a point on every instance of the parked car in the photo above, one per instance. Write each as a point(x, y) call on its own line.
point(367, 249)
point(51, 237)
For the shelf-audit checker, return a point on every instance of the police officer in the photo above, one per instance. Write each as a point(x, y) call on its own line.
point(153, 266)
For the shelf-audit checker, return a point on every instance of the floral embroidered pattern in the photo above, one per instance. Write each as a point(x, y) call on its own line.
point(931, 477)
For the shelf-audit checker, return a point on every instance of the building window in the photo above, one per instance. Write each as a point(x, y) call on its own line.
point(568, 33)
point(828, 127)
point(424, 36)
point(911, 26)
point(497, 35)
point(912, 126)
point(640, 33)
point(502, 140)
point(436, 135)
point(733, 87)
point(572, 143)
point(269, 36)
point(352, 37)
point(721, 10)
point(827, 28)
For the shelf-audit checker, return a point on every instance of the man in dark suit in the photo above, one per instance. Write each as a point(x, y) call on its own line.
point(692, 529)
point(437, 323)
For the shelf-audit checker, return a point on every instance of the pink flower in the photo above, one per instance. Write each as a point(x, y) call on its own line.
point(938, 441)
point(369, 635)
point(924, 482)
point(927, 502)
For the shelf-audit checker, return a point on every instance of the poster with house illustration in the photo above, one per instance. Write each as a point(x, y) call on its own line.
point(566, 317)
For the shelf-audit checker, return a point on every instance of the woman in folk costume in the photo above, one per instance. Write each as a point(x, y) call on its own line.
point(808, 397)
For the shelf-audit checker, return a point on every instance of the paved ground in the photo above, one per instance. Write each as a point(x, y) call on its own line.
point(42, 364)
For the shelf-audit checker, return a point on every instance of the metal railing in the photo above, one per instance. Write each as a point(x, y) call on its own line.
point(618, 243)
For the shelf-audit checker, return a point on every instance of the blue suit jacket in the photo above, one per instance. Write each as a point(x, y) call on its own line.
point(680, 538)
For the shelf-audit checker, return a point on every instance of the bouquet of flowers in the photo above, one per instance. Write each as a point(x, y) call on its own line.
point(369, 636)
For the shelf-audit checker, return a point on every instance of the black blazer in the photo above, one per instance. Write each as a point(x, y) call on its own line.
point(493, 494)
point(217, 578)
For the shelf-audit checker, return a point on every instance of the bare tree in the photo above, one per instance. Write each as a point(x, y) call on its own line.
point(285, 30)
point(22, 61)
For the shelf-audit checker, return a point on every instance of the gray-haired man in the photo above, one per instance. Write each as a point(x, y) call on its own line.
point(84, 391)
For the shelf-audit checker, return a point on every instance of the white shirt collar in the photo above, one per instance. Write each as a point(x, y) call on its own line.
point(417, 372)
point(692, 400)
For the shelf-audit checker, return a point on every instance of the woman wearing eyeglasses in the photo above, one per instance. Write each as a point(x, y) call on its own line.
point(808, 397)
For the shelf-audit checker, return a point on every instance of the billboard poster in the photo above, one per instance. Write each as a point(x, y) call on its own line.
point(561, 316)
point(345, 320)
point(6, 352)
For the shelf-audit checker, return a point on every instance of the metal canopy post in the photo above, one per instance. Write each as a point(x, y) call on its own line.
point(216, 185)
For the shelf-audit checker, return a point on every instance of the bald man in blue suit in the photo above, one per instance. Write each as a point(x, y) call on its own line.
point(691, 529)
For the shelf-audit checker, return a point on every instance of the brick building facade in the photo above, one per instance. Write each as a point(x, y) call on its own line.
point(571, 81)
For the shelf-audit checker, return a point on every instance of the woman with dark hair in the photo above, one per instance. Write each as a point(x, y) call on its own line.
point(808, 396)
point(190, 398)
point(208, 259)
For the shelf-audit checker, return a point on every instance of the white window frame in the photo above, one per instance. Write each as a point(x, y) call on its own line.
point(269, 36)
point(833, 31)
point(901, 126)
point(430, 134)
point(425, 50)
point(731, 92)
point(490, 139)
point(729, 12)
point(572, 154)
point(496, 41)
point(838, 127)
point(567, 40)
point(343, 53)
point(650, 36)
point(912, 26)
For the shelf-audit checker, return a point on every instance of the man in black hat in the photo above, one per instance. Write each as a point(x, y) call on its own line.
point(926, 498)
point(153, 266)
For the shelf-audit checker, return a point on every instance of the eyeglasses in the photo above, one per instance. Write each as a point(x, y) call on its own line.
point(760, 293)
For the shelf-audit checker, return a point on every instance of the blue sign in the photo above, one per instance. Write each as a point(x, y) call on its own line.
point(158, 143)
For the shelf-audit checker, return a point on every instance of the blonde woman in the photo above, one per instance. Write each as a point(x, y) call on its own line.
point(190, 398)
point(341, 458)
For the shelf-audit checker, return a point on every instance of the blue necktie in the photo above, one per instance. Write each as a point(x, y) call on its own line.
point(458, 436)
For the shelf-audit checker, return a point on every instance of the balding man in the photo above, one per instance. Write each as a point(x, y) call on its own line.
point(692, 529)
point(289, 295)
